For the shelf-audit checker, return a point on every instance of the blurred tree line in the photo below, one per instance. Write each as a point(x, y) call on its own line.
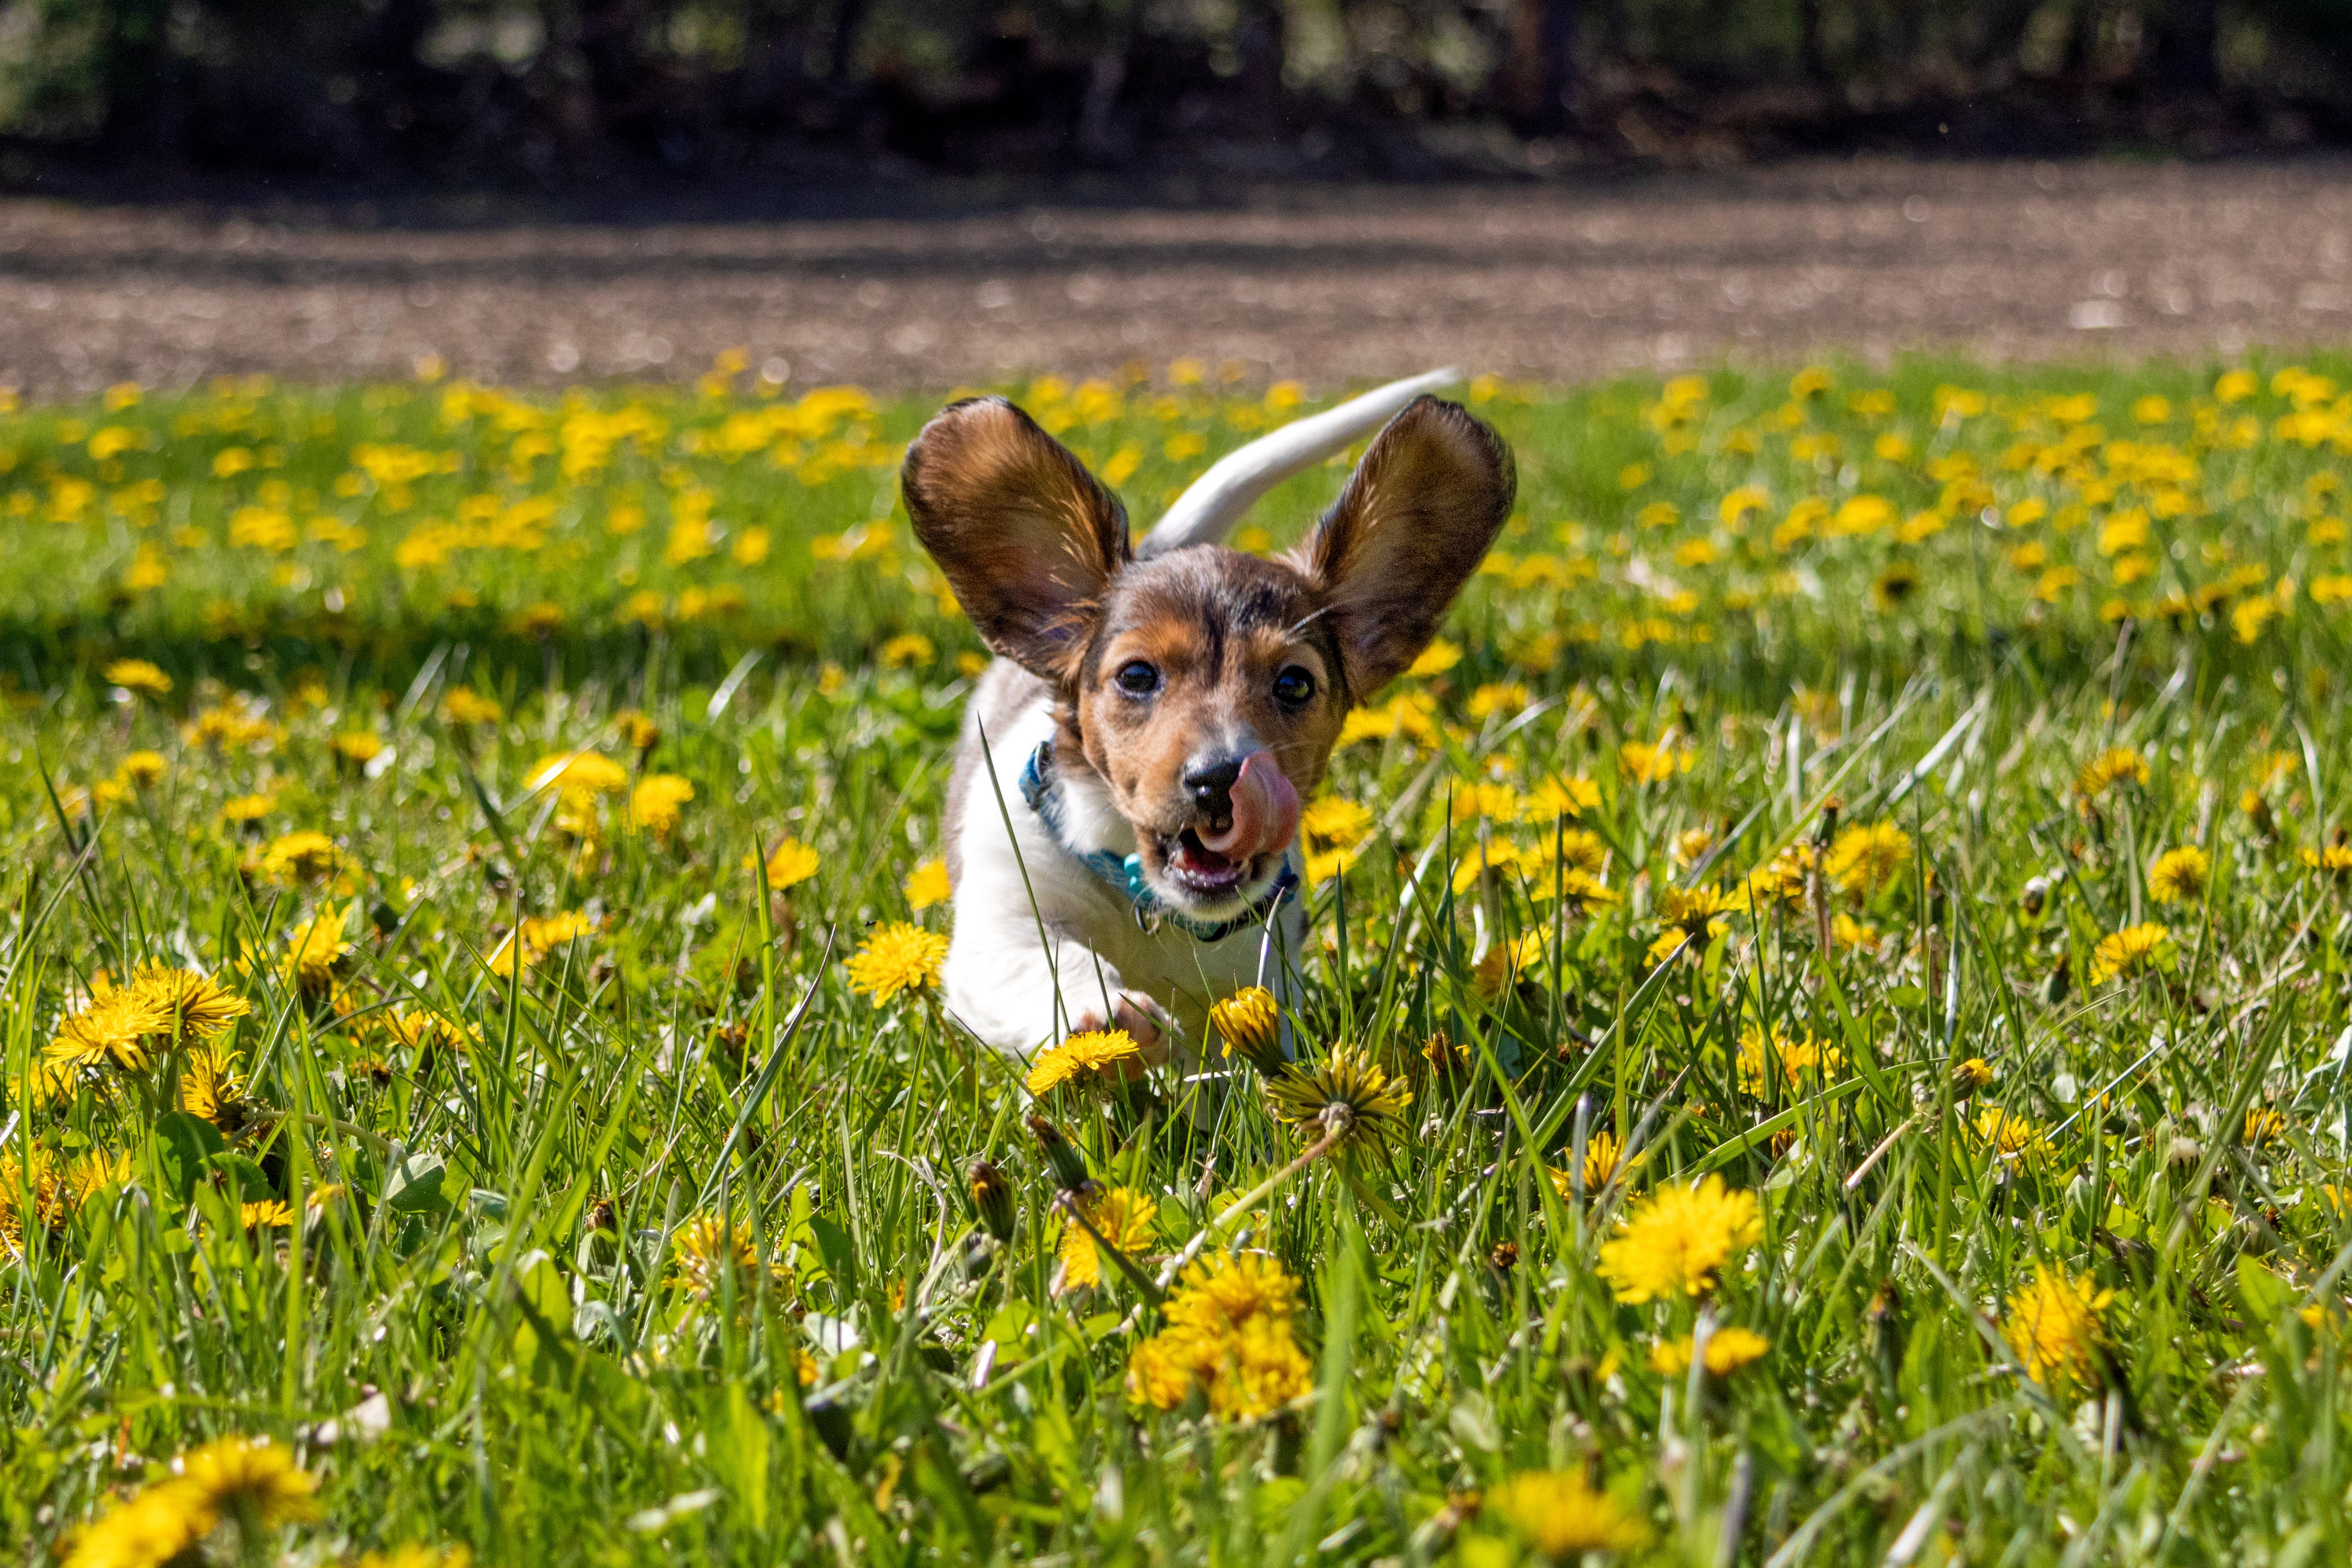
point(571, 89)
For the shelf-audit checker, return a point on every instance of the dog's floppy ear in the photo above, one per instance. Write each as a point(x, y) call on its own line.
point(1411, 525)
point(1028, 539)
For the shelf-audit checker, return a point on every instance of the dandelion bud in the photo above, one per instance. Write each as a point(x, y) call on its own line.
point(992, 1197)
point(1069, 1165)
point(2061, 981)
point(1250, 1021)
point(1971, 1075)
point(2035, 898)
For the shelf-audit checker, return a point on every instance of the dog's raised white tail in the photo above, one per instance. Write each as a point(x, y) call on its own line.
point(1214, 504)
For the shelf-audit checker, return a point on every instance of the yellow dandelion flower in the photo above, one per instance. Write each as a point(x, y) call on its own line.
point(143, 769)
point(790, 863)
point(1603, 1152)
point(318, 952)
point(2179, 876)
point(265, 1214)
point(1865, 859)
point(1507, 962)
point(1250, 1021)
point(163, 1524)
point(139, 675)
point(250, 1479)
point(1562, 1518)
point(2264, 1124)
point(1577, 891)
point(2054, 1327)
point(1347, 1093)
point(1096, 1059)
point(1694, 914)
point(1780, 883)
point(1678, 1240)
point(1435, 660)
point(927, 884)
point(1125, 1218)
point(1646, 764)
point(417, 1555)
point(304, 855)
point(539, 620)
point(1263, 1370)
point(465, 705)
point(580, 777)
point(196, 1006)
point(2118, 766)
point(1895, 585)
point(1562, 797)
point(2132, 950)
point(1222, 1291)
point(1160, 1372)
point(425, 1032)
point(637, 731)
point(656, 803)
point(209, 1088)
point(240, 809)
point(898, 957)
point(1230, 1336)
point(2331, 860)
point(1971, 1075)
point(708, 1251)
point(2009, 1138)
point(1848, 932)
point(121, 1026)
point(1794, 1061)
point(1500, 855)
point(357, 747)
point(1727, 1350)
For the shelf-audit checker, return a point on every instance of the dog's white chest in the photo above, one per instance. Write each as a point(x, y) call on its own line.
point(1043, 940)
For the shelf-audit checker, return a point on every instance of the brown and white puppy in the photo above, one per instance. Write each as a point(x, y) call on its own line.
point(1120, 825)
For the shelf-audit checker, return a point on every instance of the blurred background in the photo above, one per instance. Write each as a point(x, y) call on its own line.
point(922, 193)
point(566, 92)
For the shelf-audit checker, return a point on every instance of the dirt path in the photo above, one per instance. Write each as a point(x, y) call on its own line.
point(2010, 260)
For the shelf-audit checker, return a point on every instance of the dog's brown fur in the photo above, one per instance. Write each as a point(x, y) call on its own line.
point(1036, 550)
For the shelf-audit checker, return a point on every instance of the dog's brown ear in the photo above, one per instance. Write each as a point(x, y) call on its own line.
point(1028, 539)
point(1412, 524)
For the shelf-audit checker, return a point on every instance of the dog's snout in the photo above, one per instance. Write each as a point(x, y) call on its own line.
point(1210, 785)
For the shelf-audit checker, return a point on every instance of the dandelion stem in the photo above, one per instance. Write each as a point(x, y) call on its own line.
point(1242, 1206)
point(1871, 1160)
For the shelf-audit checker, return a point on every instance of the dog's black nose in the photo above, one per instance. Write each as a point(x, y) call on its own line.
point(1212, 788)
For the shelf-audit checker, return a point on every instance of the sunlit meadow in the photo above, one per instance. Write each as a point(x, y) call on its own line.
point(1826, 1036)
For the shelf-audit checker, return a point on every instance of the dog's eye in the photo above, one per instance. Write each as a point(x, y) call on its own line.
point(1136, 678)
point(1293, 685)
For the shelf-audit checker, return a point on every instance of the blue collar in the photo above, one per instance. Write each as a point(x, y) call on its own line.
point(1126, 872)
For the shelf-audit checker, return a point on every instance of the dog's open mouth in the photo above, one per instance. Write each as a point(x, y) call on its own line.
point(1203, 873)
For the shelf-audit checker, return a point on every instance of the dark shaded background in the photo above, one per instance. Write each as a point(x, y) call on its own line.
point(627, 95)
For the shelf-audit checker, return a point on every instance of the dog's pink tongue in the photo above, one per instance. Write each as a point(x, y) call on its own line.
point(1265, 811)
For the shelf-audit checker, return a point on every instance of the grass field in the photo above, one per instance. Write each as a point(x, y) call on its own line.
point(1836, 965)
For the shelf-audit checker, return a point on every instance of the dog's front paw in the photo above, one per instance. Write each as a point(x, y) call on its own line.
point(1146, 1022)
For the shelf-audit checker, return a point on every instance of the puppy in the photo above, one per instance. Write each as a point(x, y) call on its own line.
point(1120, 826)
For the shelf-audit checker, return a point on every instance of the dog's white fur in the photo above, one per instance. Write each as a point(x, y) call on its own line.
point(1043, 946)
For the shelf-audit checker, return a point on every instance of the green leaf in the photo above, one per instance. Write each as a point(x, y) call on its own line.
point(2267, 1297)
point(833, 1246)
point(183, 1144)
point(249, 1179)
point(414, 1187)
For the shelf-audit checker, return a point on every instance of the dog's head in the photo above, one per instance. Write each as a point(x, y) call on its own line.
point(1204, 686)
